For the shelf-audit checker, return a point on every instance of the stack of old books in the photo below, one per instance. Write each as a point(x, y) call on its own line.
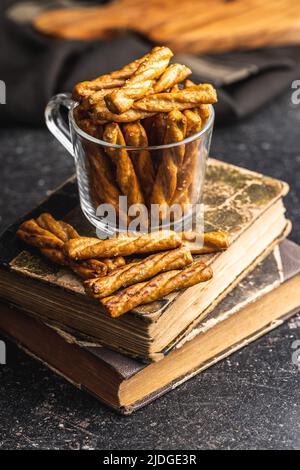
point(128, 361)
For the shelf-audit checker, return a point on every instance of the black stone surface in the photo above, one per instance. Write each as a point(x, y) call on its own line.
point(250, 400)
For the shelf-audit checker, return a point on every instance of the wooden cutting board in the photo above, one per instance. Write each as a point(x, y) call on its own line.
point(190, 26)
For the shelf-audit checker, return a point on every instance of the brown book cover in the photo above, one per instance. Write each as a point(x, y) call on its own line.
point(264, 299)
point(246, 204)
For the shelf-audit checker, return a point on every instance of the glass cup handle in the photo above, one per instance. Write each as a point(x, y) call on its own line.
point(55, 121)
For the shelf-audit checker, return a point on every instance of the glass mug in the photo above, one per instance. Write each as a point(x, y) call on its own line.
point(182, 173)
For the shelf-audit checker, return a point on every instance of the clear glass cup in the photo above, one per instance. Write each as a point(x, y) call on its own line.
point(166, 201)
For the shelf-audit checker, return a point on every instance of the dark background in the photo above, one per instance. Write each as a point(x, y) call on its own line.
point(250, 400)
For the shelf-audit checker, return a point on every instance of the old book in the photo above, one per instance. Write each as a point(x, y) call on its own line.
point(261, 302)
point(246, 204)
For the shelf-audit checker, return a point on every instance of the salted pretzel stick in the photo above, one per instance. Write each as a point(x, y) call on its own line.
point(204, 113)
point(135, 136)
point(125, 173)
point(85, 269)
point(175, 88)
point(49, 236)
point(59, 228)
point(114, 79)
point(196, 118)
point(110, 80)
point(208, 242)
point(114, 263)
point(140, 81)
point(86, 247)
point(86, 124)
point(95, 98)
point(186, 173)
point(34, 235)
point(189, 84)
point(182, 99)
point(102, 182)
point(101, 115)
point(166, 178)
point(138, 271)
point(203, 109)
point(158, 287)
point(158, 129)
point(194, 122)
point(173, 74)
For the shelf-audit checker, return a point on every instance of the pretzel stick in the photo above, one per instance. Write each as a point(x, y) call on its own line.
point(34, 235)
point(111, 80)
point(208, 242)
point(96, 98)
point(59, 228)
point(158, 129)
point(102, 181)
point(125, 173)
point(189, 84)
point(50, 242)
point(173, 74)
point(135, 136)
point(114, 263)
point(114, 79)
point(101, 115)
point(138, 271)
point(203, 109)
point(50, 235)
point(166, 178)
point(204, 113)
point(194, 122)
point(140, 82)
point(86, 247)
point(158, 287)
point(186, 173)
point(83, 121)
point(182, 99)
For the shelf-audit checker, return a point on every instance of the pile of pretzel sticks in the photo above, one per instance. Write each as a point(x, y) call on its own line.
point(128, 271)
point(149, 102)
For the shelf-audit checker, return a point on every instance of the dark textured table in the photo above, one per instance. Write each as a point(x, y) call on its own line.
point(250, 400)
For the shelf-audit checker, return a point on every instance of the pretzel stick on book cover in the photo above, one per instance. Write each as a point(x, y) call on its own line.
point(166, 178)
point(158, 287)
point(182, 99)
point(139, 271)
point(140, 82)
point(208, 242)
point(125, 172)
point(87, 247)
point(50, 235)
point(135, 136)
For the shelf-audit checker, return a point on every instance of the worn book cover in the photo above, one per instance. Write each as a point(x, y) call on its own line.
point(246, 204)
point(261, 302)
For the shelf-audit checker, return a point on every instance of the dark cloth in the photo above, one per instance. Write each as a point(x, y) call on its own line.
point(35, 67)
